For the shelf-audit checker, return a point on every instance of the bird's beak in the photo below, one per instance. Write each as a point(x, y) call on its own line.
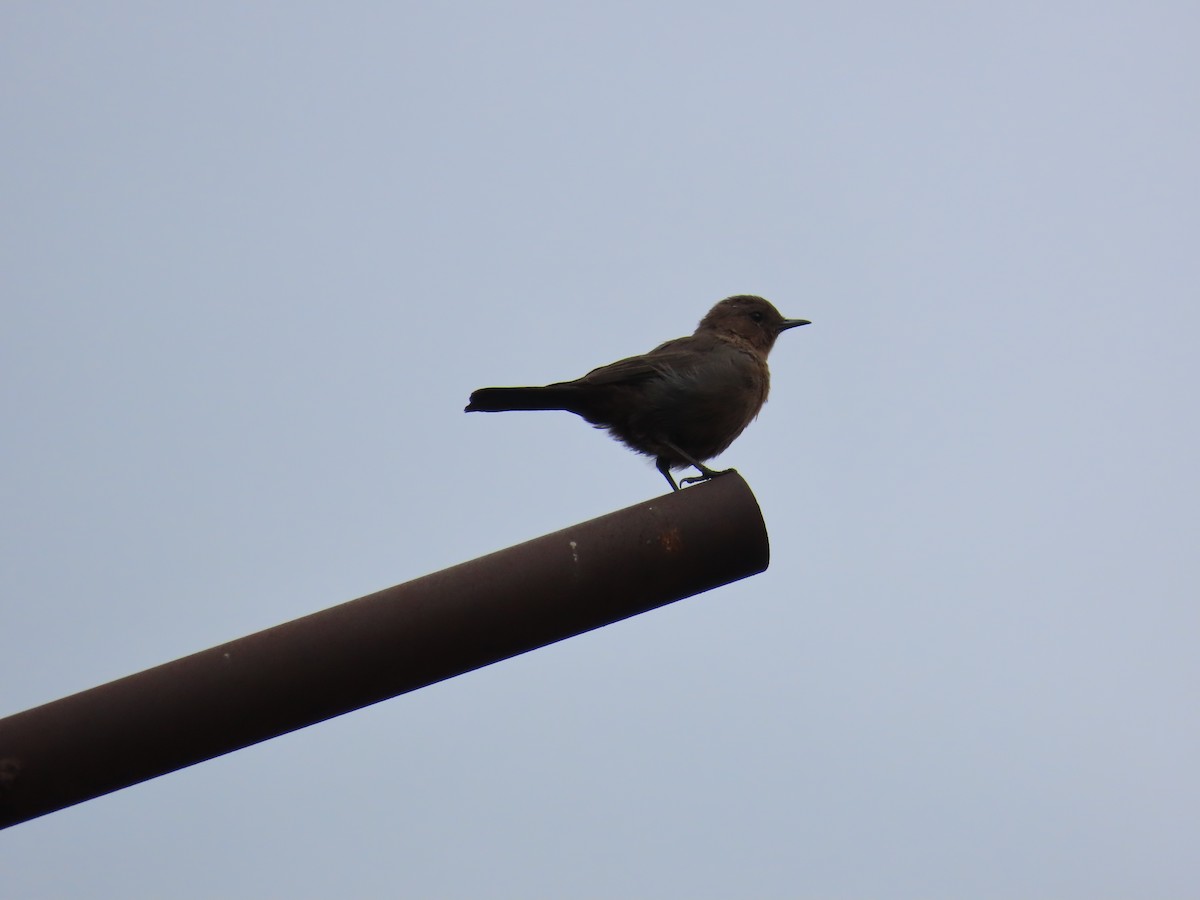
point(792, 323)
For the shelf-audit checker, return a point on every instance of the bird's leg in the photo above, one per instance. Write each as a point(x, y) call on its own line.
point(705, 472)
point(661, 465)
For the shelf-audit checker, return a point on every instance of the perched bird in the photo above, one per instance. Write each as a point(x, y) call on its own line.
point(684, 402)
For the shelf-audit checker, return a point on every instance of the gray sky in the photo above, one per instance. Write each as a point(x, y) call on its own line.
point(255, 257)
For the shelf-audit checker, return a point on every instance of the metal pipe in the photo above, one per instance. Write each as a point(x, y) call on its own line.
point(381, 645)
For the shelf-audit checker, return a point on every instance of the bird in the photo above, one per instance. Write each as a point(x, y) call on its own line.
point(682, 403)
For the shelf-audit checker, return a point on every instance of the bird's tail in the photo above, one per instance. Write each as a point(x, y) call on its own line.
point(503, 399)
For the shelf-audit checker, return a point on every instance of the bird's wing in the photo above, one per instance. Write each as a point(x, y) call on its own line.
point(675, 356)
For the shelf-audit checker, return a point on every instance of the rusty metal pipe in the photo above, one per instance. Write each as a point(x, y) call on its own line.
point(381, 645)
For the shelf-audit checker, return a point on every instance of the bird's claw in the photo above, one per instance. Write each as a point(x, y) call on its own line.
point(705, 475)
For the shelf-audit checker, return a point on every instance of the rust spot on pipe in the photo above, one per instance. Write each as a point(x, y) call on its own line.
point(671, 540)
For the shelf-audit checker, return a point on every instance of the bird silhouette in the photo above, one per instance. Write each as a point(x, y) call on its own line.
point(682, 403)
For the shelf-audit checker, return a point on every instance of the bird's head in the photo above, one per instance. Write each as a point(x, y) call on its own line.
point(750, 318)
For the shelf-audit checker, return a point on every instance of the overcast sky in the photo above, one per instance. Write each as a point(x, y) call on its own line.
point(255, 257)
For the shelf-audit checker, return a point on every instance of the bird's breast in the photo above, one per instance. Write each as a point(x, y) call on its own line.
point(703, 408)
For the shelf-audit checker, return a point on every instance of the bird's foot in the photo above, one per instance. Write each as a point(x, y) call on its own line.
point(705, 474)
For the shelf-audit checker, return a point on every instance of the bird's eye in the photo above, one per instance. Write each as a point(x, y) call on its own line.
point(756, 316)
